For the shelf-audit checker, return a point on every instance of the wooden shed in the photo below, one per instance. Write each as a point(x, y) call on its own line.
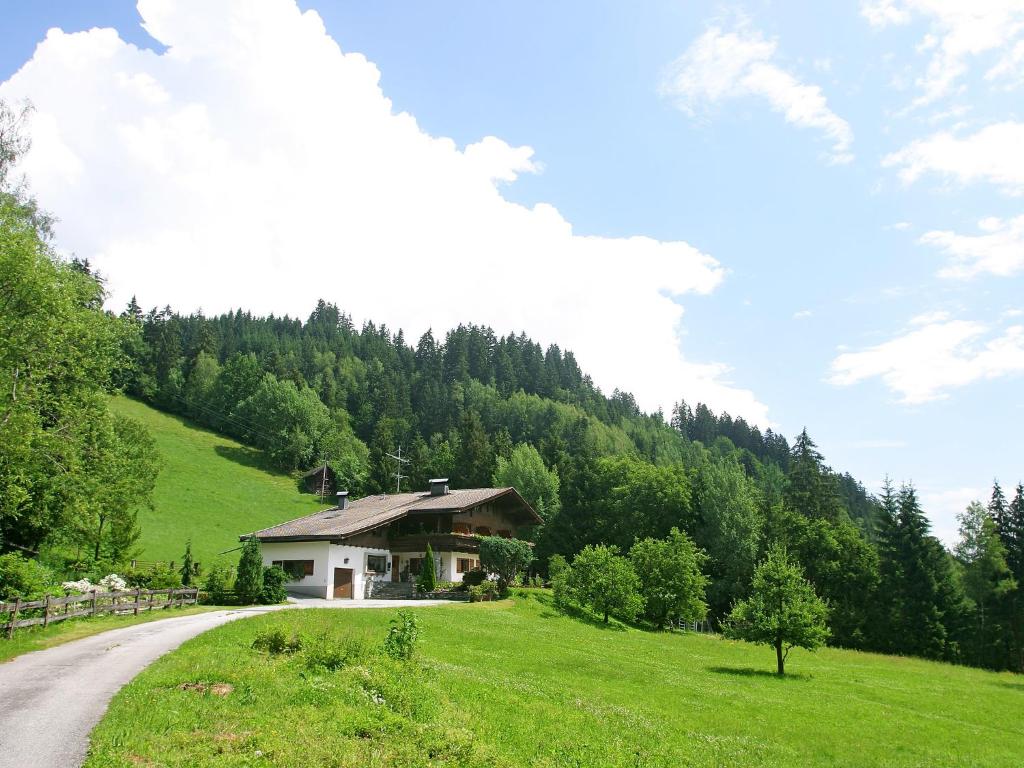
point(321, 479)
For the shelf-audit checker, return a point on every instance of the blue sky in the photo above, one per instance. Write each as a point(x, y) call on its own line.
point(848, 170)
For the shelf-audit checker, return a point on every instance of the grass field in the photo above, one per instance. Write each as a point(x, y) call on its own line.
point(210, 489)
point(514, 683)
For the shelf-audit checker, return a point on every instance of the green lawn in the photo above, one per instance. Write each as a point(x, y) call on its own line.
point(38, 638)
point(210, 489)
point(515, 684)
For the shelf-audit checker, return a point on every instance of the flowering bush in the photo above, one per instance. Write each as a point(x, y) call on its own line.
point(113, 583)
point(81, 586)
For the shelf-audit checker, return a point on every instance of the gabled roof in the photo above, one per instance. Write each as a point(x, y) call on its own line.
point(371, 512)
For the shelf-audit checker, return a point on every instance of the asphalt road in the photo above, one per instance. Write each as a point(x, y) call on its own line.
point(51, 699)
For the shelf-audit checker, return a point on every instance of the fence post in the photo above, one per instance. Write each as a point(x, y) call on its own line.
point(150, 608)
point(94, 602)
point(14, 618)
point(46, 612)
point(138, 597)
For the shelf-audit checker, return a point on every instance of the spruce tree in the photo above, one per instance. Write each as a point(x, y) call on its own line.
point(427, 581)
point(997, 508)
point(249, 580)
point(187, 565)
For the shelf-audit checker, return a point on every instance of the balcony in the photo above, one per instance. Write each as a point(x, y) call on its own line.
point(439, 542)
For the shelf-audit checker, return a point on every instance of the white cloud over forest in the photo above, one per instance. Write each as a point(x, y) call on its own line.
point(722, 65)
point(933, 356)
point(255, 164)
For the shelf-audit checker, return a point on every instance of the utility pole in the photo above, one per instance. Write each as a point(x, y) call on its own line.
point(323, 482)
point(399, 477)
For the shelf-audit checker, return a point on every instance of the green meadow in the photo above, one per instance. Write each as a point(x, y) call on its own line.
point(515, 683)
point(210, 488)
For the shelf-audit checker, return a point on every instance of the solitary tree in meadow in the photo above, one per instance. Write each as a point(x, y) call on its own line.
point(782, 611)
point(604, 580)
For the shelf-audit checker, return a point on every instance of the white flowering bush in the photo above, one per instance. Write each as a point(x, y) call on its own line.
point(113, 583)
point(81, 586)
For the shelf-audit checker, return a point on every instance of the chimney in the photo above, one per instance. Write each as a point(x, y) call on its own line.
point(342, 499)
point(439, 486)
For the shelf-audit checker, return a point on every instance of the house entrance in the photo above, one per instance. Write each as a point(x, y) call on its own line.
point(343, 582)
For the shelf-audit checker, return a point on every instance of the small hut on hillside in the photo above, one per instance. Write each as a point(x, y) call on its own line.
point(321, 479)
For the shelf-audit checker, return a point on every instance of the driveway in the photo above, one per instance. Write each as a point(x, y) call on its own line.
point(51, 699)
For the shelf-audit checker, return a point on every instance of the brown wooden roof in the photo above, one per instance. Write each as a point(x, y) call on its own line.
point(371, 512)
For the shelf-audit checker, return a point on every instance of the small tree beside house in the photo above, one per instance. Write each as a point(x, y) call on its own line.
point(427, 581)
point(671, 581)
point(504, 559)
point(782, 611)
point(249, 581)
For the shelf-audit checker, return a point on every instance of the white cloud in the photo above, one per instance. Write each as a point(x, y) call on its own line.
point(934, 356)
point(959, 32)
point(943, 505)
point(992, 154)
point(803, 314)
point(719, 66)
point(930, 318)
point(999, 250)
point(255, 164)
point(900, 226)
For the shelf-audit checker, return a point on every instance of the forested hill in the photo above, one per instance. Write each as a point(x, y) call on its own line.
point(454, 404)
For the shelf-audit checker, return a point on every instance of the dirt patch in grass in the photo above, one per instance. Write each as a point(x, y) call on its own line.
point(217, 689)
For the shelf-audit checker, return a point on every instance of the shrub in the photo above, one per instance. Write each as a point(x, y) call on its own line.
point(162, 577)
point(325, 652)
point(474, 577)
point(25, 578)
point(605, 581)
point(218, 583)
point(402, 637)
point(275, 641)
point(273, 590)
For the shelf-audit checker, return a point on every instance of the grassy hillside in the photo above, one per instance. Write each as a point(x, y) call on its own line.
point(210, 489)
point(514, 683)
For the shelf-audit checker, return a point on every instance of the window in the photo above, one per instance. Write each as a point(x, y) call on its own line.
point(483, 530)
point(461, 528)
point(377, 563)
point(296, 569)
point(415, 564)
point(463, 564)
point(505, 534)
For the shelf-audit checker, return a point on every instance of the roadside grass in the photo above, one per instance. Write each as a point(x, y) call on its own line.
point(210, 489)
point(38, 638)
point(514, 683)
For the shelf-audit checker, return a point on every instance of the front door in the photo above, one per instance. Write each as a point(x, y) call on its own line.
point(395, 576)
point(343, 582)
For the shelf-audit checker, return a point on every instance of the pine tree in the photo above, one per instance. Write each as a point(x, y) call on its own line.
point(1014, 538)
point(810, 489)
point(997, 508)
point(187, 565)
point(427, 581)
point(249, 580)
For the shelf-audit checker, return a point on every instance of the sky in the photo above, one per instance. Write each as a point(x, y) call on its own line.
point(806, 214)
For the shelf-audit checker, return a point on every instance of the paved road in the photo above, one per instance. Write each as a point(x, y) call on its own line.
point(50, 700)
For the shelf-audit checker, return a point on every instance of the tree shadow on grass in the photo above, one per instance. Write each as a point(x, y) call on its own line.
point(574, 612)
point(757, 673)
point(247, 457)
point(1019, 687)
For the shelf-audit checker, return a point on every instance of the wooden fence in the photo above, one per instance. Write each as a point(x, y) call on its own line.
point(52, 609)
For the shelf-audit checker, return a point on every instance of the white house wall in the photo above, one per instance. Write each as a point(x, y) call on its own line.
point(317, 585)
point(346, 556)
